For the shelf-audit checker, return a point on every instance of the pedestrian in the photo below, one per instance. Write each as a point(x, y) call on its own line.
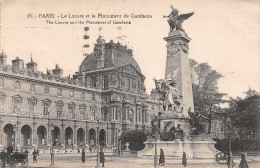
point(102, 157)
point(162, 158)
point(35, 154)
point(243, 162)
point(26, 153)
point(184, 159)
point(83, 156)
point(90, 149)
point(78, 150)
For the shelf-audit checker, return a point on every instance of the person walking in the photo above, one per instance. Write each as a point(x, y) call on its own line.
point(83, 156)
point(184, 159)
point(102, 157)
point(26, 153)
point(243, 162)
point(162, 158)
point(35, 154)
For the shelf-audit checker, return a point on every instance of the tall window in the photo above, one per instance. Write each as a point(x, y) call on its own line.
point(46, 107)
point(1, 104)
point(71, 107)
point(82, 95)
point(82, 109)
point(17, 100)
point(46, 90)
point(1, 83)
point(93, 81)
point(131, 116)
point(71, 93)
point(93, 97)
point(32, 87)
point(32, 103)
point(59, 105)
point(17, 85)
point(59, 92)
point(92, 112)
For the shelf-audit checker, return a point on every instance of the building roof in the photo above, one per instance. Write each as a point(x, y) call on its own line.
point(115, 55)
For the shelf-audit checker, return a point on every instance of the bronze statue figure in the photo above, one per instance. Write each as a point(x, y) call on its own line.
point(175, 20)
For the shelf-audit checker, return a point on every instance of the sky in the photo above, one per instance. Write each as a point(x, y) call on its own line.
point(224, 33)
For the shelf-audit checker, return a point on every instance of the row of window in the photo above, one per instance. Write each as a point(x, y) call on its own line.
point(47, 90)
point(47, 108)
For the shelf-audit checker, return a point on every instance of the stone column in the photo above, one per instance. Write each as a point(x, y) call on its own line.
point(1, 134)
point(75, 135)
point(62, 136)
point(86, 135)
point(34, 138)
point(18, 134)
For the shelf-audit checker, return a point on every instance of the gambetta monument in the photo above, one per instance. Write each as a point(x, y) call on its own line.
point(177, 129)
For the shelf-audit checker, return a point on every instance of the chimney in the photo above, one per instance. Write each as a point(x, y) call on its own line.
point(17, 64)
point(3, 57)
point(100, 52)
point(31, 67)
point(57, 72)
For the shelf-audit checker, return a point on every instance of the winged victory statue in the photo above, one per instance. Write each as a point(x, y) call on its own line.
point(175, 20)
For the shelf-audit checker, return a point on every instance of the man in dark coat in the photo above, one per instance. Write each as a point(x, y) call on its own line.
point(35, 154)
point(102, 157)
point(184, 159)
point(162, 158)
point(243, 162)
point(83, 156)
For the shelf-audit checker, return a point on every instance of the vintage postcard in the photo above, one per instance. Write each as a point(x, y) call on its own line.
point(129, 83)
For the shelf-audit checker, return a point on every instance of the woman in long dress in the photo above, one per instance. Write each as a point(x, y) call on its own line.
point(243, 163)
point(162, 158)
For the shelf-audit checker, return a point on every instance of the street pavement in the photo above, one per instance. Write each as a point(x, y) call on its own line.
point(74, 161)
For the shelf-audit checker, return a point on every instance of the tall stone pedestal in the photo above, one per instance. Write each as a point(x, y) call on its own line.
point(199, 146)
point(178, 60)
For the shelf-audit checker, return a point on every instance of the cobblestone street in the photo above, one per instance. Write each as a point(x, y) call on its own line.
point(74, 161)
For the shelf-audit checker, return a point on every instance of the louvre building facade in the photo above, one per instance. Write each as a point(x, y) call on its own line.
point(104, 98)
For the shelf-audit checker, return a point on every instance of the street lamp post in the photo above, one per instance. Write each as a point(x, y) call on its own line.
point(97, 142)
point(155, 142)
point(230, 161)
point(52, 152)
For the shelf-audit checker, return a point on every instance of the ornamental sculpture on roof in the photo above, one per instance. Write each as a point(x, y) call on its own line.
point(175, 20)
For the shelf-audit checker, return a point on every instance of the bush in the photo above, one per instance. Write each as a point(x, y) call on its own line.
point(135, 139)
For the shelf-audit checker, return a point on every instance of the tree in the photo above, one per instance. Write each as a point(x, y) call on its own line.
point(135, 139)
point(205, 90)
point(245, 114)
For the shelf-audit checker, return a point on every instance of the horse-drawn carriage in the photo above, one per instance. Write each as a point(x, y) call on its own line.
point(12, 159)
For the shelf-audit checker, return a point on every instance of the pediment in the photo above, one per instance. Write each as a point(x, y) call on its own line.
point(129, 68)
